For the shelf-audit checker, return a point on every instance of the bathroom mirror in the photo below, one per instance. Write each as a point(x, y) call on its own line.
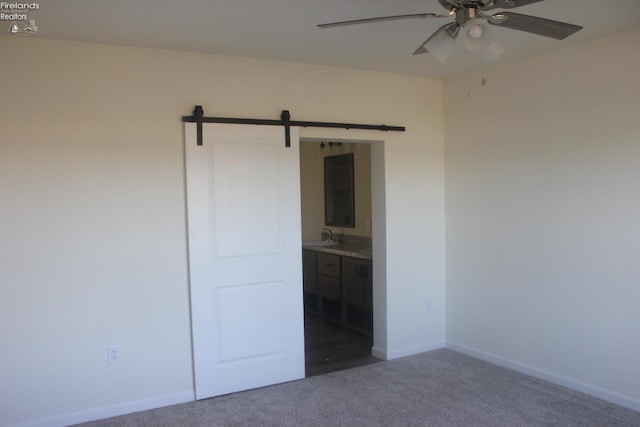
point(339, 204)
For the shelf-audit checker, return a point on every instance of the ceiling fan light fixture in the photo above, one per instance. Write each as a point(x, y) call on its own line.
point(493, 52)
point(440, 46)
point(477, 35)
point(475, 32)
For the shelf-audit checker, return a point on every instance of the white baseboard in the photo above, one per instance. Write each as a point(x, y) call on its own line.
point(585, 388)
point(407, 351)
point(379, 353)
point(110, 411)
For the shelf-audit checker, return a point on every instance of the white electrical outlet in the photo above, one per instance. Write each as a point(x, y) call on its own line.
point(113, 354)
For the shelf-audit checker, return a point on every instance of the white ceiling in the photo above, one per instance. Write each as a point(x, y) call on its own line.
point(286, 29)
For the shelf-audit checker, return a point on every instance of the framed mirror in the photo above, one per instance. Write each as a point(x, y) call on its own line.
point(339, 198)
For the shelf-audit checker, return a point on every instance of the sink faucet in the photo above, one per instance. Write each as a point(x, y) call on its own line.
point(327, 235)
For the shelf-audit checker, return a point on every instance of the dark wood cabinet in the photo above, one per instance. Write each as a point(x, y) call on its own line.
point(310, 281)
point(330, 287)
point(356, 273)
point(330, 304)
point(356, 278)
point(339, 288)
point(328, 264)
point(309, 271)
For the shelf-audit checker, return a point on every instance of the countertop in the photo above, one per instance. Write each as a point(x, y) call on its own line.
point(350, 249)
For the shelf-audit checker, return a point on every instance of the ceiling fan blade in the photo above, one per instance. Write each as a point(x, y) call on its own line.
point(440, 42)
point(507, 4)
point(386, 18)
point(532, 24)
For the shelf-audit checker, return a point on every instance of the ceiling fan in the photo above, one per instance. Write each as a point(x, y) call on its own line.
point(469, 16)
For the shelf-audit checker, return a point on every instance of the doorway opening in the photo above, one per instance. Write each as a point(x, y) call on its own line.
point(338, 277)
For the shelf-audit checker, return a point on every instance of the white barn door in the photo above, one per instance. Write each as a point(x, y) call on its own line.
point(243, 202)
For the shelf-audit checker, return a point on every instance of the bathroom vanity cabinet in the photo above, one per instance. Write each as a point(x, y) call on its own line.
point(338, 288)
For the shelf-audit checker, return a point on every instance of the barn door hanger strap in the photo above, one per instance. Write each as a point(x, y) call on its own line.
point(285, 120)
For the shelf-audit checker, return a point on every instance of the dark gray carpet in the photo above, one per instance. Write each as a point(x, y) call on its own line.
point(439, 388)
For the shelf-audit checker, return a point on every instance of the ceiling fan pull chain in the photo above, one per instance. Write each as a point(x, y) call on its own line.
point(468, 76)
point(483, 80)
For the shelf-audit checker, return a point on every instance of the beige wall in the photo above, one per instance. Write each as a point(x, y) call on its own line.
point(543, 209)
point(93, 222)
point(312, 188)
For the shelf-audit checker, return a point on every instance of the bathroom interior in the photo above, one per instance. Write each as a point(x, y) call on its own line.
point(335, 185)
